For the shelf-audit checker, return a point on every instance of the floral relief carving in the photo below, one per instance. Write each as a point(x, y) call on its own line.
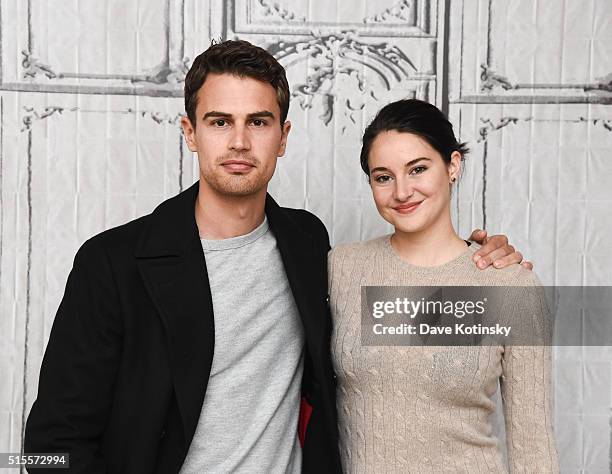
point(402, 11)
point(342, 57)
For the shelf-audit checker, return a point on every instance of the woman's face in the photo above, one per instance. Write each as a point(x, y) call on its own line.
point(410, 180)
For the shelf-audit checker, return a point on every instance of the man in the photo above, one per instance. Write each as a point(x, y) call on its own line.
point(188, 340)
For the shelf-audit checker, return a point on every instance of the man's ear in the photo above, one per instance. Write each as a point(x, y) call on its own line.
point(285, 129)
point(189, 133)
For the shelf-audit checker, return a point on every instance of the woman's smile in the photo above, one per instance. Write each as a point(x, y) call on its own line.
point(407, 208)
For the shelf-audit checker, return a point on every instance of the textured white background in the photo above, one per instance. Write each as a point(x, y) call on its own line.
point(91, 96)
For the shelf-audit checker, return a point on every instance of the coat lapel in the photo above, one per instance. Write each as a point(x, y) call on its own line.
point(173, 268)
point(302, 267)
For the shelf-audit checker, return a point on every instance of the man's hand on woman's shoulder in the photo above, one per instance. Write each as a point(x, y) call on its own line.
point(496, 251)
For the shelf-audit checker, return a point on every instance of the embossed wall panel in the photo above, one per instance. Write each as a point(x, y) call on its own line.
point(404, 18)
point(123, 47)
point(532, 52)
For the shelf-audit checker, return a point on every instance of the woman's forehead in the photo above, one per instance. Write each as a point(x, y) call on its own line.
point(401, 146)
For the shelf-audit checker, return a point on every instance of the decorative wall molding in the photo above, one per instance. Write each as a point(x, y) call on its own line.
point(491, 81)
point(271, 8)
point(33, 115)
point(36, 73)
point(352, 58)
point(402, 11)
point(399, 18)
point(32, 67)
point(344, 53)
point(496, 86)
point(489, 126)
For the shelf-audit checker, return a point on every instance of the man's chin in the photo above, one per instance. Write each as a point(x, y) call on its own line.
point(237, 188)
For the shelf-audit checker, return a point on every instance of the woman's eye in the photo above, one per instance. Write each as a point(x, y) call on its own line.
point(383, 178)
point(418, 170)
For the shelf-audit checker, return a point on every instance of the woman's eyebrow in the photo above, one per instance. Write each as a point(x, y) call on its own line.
point(410, 163)
point(416, 160)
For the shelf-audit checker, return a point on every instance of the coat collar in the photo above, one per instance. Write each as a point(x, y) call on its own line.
point(172, 228)
point(172, 264)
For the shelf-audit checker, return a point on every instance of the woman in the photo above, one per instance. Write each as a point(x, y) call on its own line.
point(427, 409)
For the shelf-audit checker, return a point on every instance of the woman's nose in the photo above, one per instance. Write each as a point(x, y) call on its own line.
point(403, 190)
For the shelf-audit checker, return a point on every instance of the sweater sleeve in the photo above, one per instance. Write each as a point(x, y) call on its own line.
point(526, 384)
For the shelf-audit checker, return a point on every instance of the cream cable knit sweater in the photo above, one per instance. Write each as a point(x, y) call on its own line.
point(426, 409)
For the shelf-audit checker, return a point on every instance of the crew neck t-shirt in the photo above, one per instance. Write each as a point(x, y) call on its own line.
point(249, 417)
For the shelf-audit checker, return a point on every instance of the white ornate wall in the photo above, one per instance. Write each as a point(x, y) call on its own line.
point(91, 97)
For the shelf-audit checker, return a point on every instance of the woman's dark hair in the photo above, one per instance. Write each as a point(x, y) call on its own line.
point(241, 59)
point(413, 116)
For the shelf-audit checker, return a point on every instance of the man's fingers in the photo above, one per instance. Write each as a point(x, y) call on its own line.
point(496, 255)
point(494, 243)
point(499, 253)
point(478, 236)
point(527, 264)
point(514, 257)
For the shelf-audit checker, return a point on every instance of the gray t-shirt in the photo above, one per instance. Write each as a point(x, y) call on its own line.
point(250, 413)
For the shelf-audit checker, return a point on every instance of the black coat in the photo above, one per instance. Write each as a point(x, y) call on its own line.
point(128, 359)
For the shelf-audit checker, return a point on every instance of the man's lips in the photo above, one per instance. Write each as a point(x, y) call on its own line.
point(408, 207)
point(237, 165)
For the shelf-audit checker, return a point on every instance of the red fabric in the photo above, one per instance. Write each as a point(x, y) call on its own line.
point(305, 413)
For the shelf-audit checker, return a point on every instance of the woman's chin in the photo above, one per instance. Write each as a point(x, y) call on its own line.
point(402, 225)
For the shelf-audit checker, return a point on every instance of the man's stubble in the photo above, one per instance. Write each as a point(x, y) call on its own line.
point(235, 184)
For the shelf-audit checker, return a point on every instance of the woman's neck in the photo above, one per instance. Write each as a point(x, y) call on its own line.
point(436, 245)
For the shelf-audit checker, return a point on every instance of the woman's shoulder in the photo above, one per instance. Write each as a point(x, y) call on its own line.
point(512, 275)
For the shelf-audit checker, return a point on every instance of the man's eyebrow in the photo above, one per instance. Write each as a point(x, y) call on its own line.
point(261, 113)
point(215, 113)
point(410, 163)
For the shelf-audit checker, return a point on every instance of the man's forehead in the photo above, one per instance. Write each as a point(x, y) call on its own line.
point(230, 84)
point(236, 95)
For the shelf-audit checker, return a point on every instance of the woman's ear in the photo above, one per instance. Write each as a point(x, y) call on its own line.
point(454, 167)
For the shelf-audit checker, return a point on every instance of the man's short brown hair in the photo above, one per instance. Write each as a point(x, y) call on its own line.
point(241, 59)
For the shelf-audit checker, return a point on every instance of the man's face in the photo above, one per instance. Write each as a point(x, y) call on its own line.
point(237, 134)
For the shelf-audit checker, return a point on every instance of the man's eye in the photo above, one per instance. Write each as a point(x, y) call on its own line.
point(258, 122)
point(418, 170)
point(383, 178)
point(220, 123)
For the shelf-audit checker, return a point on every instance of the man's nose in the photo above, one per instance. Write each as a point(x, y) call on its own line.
point(239, 140)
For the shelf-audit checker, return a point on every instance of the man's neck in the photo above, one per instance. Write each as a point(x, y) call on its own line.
point(222, 217)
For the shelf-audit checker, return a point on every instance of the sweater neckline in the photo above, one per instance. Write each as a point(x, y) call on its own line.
point(458, 261)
